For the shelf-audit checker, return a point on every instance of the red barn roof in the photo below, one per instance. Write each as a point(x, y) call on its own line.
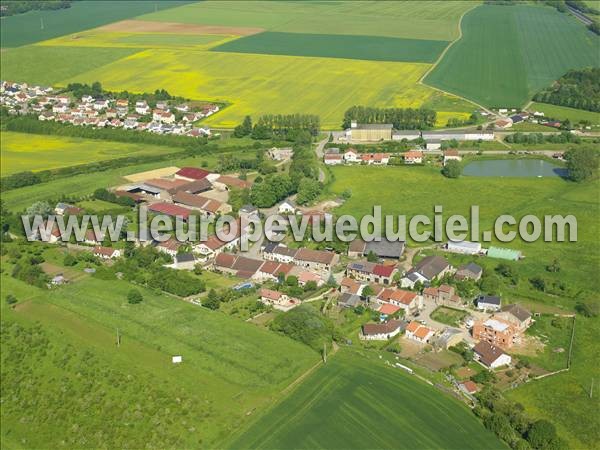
point(192, 173)
point(170, 210)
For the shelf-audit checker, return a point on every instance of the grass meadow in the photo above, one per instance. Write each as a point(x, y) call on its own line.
point(372, 48)
point(416, 190)
point(355, 401)
point(416, 20)
point(507, 53)
point(563, 113)
point(230, 368)
point(35, 26)
point(21, 151)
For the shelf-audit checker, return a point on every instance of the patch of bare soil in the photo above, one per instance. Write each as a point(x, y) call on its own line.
point(143, 26)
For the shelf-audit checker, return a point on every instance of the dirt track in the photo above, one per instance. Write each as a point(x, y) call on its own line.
point(143, 26)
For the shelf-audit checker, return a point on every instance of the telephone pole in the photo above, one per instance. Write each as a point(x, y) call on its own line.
point(592, 389)
point(41, 23)
point(324, 352)
point(118, 338)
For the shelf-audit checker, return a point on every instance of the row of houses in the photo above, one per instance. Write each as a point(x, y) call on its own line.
point(106, 112)
point(333, 157)
point(315, 260)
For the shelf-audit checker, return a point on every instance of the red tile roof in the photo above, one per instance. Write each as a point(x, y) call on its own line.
point(388, 309)
point(383, 271)
point(170, 210)
point(225, 260)
point(413, 155)
point(192, 173)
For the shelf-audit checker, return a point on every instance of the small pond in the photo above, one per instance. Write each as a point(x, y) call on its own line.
point(513, 168)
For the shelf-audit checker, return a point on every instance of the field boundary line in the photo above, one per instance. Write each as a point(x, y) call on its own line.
point(435, 64)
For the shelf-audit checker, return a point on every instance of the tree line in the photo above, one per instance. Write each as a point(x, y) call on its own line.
point(279, 126)
point(538, 138)
point(11, 7)
point(576, 89)
point(400, 118)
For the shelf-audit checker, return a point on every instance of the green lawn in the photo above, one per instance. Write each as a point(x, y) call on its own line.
point(35, 26)
point(33, 152)
point(137, 396)
point(374, 48)
point(564, 398)
point(411, 19)
point(562, 113)
point(449, 316)
point(50, 65)
point(357, 402)
point(507, 53)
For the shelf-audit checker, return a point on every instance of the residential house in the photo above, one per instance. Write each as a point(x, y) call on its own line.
point(317, 260)
point(277, 299)
point(333, 159)
point(351, 156)
point(387, 309)
point(488, 302)
point(225, 183)
point(381, 331)
point(420, 333)
point(443, 295)
point(170, 246)
point(305, 276)
point(470, 271)
point(451, 155)
point(490, 356)
point(93, 238)
point(468, 387)
point(141, 107)
point(350, 286)
point(379, 159)
point(206, 205)
point(286, 207)
point(249, 212)
point(280, 253)
point(410, 302)
point(413, 157)
point(107, 252)
point(516, 315)
point(428, 269)
point(371, 272)
point(497, 332)
point(272, 270)
point(184, 261)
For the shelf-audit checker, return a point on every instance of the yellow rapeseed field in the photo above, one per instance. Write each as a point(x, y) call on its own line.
point(261, 84)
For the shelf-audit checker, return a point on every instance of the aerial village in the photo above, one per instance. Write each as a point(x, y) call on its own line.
point(105, 111)
point(411, 293)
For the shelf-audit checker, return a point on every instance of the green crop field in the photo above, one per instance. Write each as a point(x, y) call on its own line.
point(51, 65)
point(389, 186)
point(357, 402)
point(562, 113)
point(373, 48)
point(85, 184)
point(412, 19)
point(71, 366)
point(21, 151)
point(507, 53)
point(35, 26)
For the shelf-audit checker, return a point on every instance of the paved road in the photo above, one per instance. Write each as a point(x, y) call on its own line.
point(319, 151)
